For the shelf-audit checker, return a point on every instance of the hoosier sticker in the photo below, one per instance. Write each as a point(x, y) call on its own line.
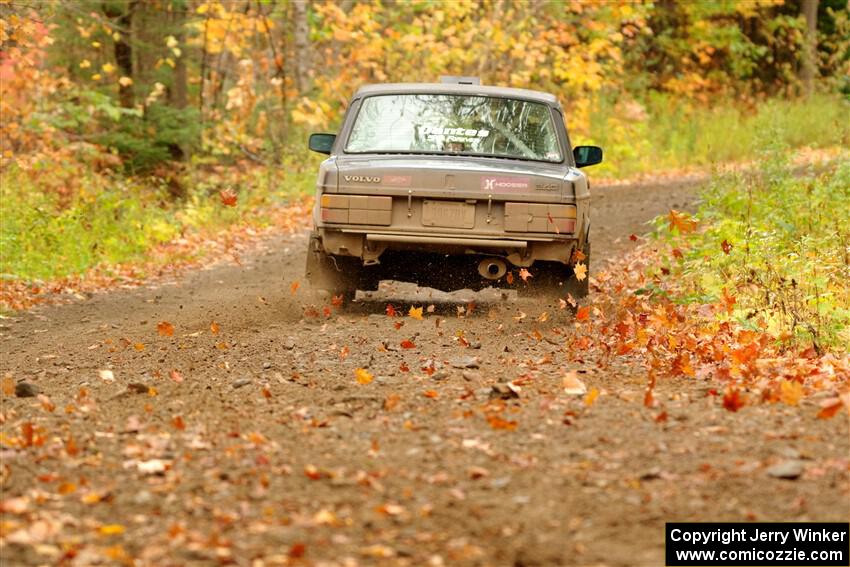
point(505, 184)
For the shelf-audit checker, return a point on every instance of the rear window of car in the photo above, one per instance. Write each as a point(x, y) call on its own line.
point(455, 125)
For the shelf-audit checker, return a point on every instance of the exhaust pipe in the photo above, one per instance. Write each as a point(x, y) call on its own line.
point(492, 268)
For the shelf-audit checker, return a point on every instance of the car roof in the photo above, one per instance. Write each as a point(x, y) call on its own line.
point(452, 88)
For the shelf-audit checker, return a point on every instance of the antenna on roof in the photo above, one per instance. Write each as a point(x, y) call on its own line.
point(454, 80)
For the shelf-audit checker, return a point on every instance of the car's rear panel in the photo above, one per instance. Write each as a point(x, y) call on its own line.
point(485, 204)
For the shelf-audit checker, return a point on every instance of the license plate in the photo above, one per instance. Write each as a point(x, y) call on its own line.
point(448, 214)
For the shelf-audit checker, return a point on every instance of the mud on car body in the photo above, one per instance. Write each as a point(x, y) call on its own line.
point(451, 186)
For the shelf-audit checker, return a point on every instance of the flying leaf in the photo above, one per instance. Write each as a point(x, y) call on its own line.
point(790, 392)
point(8, 385)
point(591, 397)
point(228, 197)
point(524, 274)
point(733, 401)
point(293, 288)
point(214, 328)
point(337, 300)
point(165, 329)
point(583, 313)
point(363, 376)
point(681, 221)
point(726, 246)
point(390, 310)
point(176, 376)
point(829, 408)
point(580, 270)
point(509, 277)
point(415, 312)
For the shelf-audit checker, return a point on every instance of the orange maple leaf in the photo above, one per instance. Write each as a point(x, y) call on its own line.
point(228, 197)
point(525, 274)
point(733, 401)
point(165, 329)
point(683, 222)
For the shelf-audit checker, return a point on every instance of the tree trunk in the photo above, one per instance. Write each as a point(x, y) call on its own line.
point(123, 49)
point(808, 68)
point(302, 46)
point(178, 96)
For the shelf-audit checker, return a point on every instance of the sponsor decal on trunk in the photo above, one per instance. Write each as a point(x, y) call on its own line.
point(505, 184)
point(398, 180)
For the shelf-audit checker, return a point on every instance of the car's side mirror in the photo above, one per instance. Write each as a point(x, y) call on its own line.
point(322, 143)
point(587, 155)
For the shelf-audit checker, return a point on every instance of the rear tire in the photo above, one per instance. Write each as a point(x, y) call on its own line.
point(338, 275)
point(552, 279)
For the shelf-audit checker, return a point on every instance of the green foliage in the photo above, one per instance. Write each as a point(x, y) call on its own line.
point(668, 133)
point(41, 238)
point(161, 134)
point(787, 251)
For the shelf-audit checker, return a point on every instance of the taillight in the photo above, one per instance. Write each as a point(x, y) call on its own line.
point(356, 209)
point(540, 217)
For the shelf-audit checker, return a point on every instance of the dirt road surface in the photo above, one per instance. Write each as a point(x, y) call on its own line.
point(258, 446)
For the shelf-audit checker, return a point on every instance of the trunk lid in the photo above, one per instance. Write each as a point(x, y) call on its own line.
point(452, 177)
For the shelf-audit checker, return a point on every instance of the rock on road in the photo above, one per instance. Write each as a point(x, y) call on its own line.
point(256, 445)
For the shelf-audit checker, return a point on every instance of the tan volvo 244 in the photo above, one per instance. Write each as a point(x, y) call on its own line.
point(451, 185)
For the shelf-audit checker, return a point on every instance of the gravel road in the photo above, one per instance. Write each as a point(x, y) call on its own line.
point(257, 446)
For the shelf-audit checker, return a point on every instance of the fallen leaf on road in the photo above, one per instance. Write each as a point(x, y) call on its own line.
point(497, 422)
point(153, 466)
point(406, 343)
point(165, 329)
point(176, 376)
point(415, 313)
point(572, 385)
point(8, 385)
point(111, 529)
point(214, 328)
point(363, 376)
point(106, 375)
point(591, 397)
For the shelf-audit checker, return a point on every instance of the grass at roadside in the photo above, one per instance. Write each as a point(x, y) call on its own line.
point(772, 248)
point(103, 219)
point(670, 135)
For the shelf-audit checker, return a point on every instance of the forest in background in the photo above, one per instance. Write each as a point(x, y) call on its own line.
point(129, 123)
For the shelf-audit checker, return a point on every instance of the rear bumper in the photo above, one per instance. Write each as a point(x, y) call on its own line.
point(519, 250)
